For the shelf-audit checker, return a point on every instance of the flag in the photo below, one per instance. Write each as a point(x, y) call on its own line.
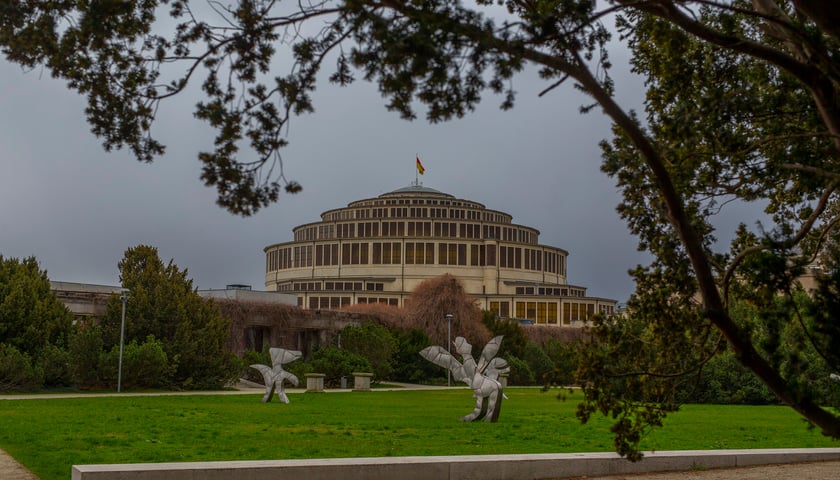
point(420, 168)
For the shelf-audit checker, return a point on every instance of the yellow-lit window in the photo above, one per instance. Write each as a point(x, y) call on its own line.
point(504, 311)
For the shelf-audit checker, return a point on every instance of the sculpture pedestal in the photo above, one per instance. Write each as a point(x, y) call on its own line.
point(361, 381)
point(314, 382)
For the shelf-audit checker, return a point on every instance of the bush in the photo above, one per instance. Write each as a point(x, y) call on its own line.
point(538, 362)
point(55, 363)
point(725, 381)
point(520, 372)
point(565, 357)
point(146, 365)
point(86, 357)
point(335, 363)
point(374, 343)
point(17, 372)
point(253, 357)
point(409, 366)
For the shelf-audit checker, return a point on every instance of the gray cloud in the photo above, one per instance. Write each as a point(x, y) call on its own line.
point(77, 208)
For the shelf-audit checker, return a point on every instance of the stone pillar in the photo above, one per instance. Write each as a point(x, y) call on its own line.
point(361, 381)
point(314, 382)
point(503, 379)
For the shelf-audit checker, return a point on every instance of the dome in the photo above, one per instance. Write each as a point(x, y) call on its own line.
point(419, 189)
point(378, 249)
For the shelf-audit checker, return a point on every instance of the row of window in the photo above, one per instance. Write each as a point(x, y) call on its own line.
point(414, 253)
point(415, 212)
point(339, 302)
point(538, 312)
point(331, 286)
point(401, 228)
point(548, 312)
point(556, 292)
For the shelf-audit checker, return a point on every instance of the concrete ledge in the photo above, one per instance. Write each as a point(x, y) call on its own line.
point(468, 467)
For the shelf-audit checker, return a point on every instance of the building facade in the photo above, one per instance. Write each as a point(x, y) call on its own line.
point(378, 250)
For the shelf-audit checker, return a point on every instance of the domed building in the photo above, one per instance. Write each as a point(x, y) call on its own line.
point(378, 250)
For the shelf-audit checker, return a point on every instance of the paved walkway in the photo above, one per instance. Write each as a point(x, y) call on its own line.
point(10, 469)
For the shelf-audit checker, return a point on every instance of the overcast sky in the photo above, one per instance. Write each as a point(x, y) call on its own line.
point(76, 208)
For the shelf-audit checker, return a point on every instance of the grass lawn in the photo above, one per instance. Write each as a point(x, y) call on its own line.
point(50, 435)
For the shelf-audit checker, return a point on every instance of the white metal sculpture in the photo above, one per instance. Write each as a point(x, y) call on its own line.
point(482, 377)
point(275, 375)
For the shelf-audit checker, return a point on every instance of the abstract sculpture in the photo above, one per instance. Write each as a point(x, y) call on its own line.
point(481, 377)
point(275, 375)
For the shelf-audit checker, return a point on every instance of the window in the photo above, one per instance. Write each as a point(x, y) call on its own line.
point(326, 254)
point(552, 313)
point(346, 230)
point(510, 257)
point(542, 310)
point(531, 313)
point(491, 255)
point(452, 254)
point(504, 309)
point(419, 253)
point(477, 255)
point(303, 256)
point(393, 229)
point(354, 254)
point(368, 229)
point(409, 253)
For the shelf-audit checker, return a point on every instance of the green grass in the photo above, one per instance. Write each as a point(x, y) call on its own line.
point(50, 435)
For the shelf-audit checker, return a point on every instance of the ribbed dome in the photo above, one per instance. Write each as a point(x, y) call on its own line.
point(416, 189)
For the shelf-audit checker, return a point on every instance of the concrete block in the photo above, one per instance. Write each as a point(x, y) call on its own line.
point(468, 467)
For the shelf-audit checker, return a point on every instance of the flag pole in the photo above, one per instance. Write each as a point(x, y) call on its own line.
point(416, 171)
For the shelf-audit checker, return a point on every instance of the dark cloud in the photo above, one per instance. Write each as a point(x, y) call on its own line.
point(77, 208)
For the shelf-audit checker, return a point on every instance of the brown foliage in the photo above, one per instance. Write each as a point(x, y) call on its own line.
point(243, 314)
point(541, 334)
point(383, 314)
point(429, 303)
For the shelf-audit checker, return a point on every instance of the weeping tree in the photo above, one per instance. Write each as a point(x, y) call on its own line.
point(741, 106)
point(432, 300)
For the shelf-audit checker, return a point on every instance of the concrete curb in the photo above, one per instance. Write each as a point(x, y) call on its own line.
point(472, 467)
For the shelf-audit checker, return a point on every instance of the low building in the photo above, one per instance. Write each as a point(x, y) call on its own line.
point(377, 250)
point(258, 319)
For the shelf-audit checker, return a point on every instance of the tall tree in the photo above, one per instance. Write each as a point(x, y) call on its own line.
point(31, 317)
point(742, 104)
point(162, 302)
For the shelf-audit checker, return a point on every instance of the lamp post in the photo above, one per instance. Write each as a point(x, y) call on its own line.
point(448, 346)
point(124, 299)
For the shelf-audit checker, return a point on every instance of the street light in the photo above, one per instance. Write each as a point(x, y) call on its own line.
point(448, 345)
point(124, 299)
